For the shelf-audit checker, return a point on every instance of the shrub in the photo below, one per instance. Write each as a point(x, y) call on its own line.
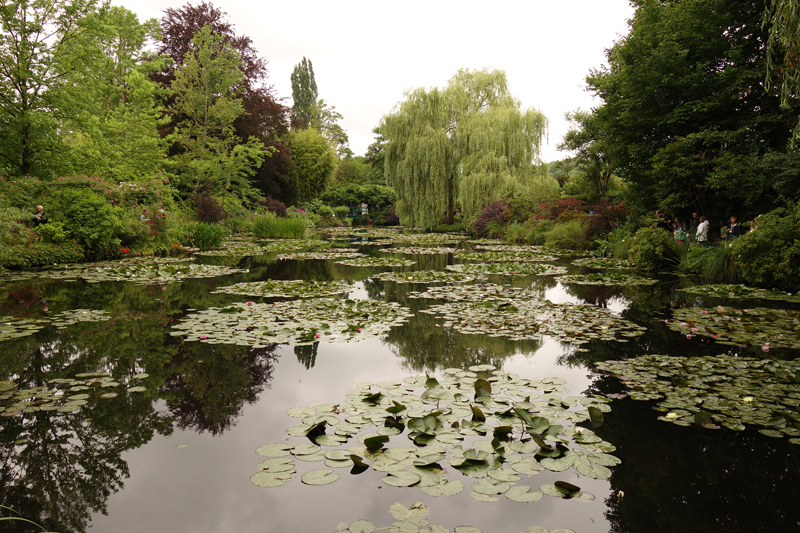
point(341, 212)
point(208, 235)
point(568, 235)
point(770, 256)
point(653, 249)
point(269, 226)
point(133, 233)
point(493, 230)
point(719, 266)
point(92, 222)
point(494, 212)
point(515, 232)
point(52, 233)
point(274, 206)
point(238, 224)
point(615, 244)
point(40, 254)
point(207, 208)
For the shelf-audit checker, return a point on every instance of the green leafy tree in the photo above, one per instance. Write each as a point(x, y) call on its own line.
point(685, 115)
point(34, 35)
point(783, 17)
point(587, 139)
point(314, 166)
point(468, 143)
point(325, 119)
point(304, 93)
point(207, 89)
point(113, 129)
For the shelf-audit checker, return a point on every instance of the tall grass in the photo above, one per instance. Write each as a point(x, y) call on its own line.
point(720, 267)
point(269, 226)
point(515, 232)
point(202, 235)
point(568, 235)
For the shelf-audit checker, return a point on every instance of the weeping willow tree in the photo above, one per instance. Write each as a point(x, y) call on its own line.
point(466, 144)
point(783, 17)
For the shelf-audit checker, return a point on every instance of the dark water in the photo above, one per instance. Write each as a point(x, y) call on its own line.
point(120, 465)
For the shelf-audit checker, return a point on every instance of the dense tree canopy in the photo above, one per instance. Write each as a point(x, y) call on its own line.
point(264, 117)
point(467, 143)
point(34, 36)
point(686, 117)
point(314, 166)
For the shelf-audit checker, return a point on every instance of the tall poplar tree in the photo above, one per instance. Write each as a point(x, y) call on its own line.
point(467, 144)
point(304, 93)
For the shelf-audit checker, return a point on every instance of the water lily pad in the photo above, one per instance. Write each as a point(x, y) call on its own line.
point(774, 328)
point(426, 276)
point(137, 389)
point(298, 322)
point(276, 450)
point(411, 250)
point(603, 262)
point(508, 269)
point(446, 488)
point(523, 494)
point(287, 289)
point(269, 479)
point(375, 262)
point(319, 477)
point(401, 479)
point(482, 497)
point(611, 279)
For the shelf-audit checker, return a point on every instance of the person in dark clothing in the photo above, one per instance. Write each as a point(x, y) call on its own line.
point(39, 217)
point(733, 229)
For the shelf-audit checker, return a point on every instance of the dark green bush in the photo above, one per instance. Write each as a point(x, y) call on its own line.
point(133, 233)
point(208, 235)
point(92, 222)
point(770, 256)
point(653, 249)
point(40, 254)
point(53, 232)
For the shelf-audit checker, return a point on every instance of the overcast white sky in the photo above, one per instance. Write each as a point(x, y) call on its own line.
point(366, 54)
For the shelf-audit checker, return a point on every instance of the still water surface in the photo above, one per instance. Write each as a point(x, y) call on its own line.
point(178, 457)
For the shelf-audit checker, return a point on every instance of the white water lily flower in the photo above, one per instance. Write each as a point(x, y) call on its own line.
point(672, 415)
point(748, 399)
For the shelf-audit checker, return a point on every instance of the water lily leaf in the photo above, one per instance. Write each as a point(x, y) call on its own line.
point(137, 389)
point(482, 497)
point(486, 486)
point(596, 416)
point(557, 465)
point(552, 490)
point(504, 474)
point(429, 459)
point(523, 494)
point(300, 412)
point(304, 449)
point(375, 443)
point(445, 488)
point(267, 479)
point(592, 470)
point(401, 479)
point(475, 455)
point(704, 419)
point(361, 526)
point(319, 477)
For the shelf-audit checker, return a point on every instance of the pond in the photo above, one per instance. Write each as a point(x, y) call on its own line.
point(479, 388)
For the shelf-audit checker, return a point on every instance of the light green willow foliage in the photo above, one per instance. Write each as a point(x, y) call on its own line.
point(468, 144)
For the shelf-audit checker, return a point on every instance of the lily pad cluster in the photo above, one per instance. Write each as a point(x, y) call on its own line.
point(508, 269)
point(275, 288)
point(427, 276)
point(413, 250)
point(429, 238)
point(768, 328)
point(250, 248)
point(299, 322)
point(138, 273)
point(603, 262)
point(741, 292)
point(73, 316)
point(333, 254)
point(62, 395)
point(414, 518)
point(472, 293)
point(14, 328)
point(531, 319)
point(734, 392)
point(497, 430)
point(375, 262)
point(606, 278)
point(518, 248)
point(507, 255)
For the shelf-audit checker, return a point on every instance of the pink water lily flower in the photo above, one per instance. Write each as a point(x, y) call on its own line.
point(694, 329)
point(358, 330)
point(765, 348)
point(703, 312)
point(683, 323)
point(202, 337)
point(249, 303)
point(316, 336)
point(688, 336)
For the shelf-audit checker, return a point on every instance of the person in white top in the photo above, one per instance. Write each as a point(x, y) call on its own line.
point(702, 231)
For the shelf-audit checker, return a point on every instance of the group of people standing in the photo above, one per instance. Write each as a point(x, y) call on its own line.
point(698, 226)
